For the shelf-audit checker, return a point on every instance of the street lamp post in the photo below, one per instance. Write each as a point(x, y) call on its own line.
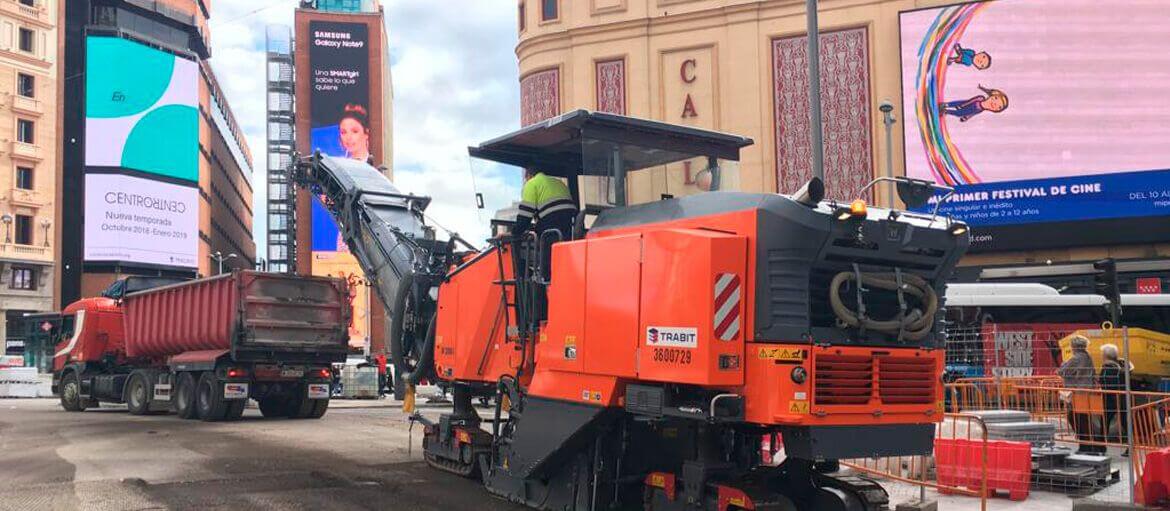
point(220, 258)
point(45, 224)
point(7, 219)
point(814, 92)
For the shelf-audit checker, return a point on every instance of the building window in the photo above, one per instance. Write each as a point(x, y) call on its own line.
point(523, 13)
point(845, 79)
point(26, 40)
point(540, 96)
point(548, 10)
point(24, 230)
point(30, 3)
point(26, 85)
point(25, 131)
point(24, 278)
point(24, 178)
point(611, 86)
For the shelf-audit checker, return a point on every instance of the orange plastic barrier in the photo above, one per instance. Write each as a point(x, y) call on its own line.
point(1008, 466)
point(1156, 478)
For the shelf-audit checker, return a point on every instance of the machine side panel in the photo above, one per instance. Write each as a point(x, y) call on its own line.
point(693, 307)
point(612, 293)
point(447, 329)
point(740, 223)
point(474, 345)
point(588, 389)
point(562, 342)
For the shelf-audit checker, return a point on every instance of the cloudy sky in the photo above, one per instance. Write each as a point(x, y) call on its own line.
point(455, 84)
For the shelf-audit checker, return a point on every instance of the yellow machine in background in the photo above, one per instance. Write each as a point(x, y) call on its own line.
point(1149, 351)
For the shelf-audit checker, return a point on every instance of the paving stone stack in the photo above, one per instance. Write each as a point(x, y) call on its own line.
point(1054, 467)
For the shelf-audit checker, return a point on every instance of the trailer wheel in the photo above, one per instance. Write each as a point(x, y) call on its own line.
point(138, 394)
point(185, 397)
point(274, 406)
point(209, 400)
point(71, 399)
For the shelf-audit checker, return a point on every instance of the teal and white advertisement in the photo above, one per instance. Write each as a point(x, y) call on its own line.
point(142, 109)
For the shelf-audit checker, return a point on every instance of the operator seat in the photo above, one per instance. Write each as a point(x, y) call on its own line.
point(579, 228)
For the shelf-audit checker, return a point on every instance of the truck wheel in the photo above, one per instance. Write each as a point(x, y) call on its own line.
point(185, 397)
point(274, 406)
point(235, 409)
point(137, 394)
point(319, 407)
point(71, 399)
point(209, 399)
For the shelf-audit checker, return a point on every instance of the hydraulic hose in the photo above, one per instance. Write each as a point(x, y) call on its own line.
point(397, 319)
point(426, 356)
point(914, 325)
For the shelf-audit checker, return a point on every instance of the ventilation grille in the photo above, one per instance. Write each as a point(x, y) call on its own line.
point(906, 380)
point(843, 379)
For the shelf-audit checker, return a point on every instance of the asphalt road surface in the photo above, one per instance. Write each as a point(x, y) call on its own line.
point(353, 458)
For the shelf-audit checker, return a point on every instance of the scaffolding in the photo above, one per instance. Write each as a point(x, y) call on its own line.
point(281, 146)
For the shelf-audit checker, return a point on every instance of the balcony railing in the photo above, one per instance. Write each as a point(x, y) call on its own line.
point(23, 150)
point(28, 106)
point(37, 14)
point(32, 198)
point(34, 251)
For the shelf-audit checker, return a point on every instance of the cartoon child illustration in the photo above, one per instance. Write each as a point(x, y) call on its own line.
point(992, 100)
point(968, 57)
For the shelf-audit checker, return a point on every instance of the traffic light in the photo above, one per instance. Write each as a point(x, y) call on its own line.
point(1105, 283)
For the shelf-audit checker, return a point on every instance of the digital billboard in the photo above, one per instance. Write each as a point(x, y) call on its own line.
point(339, 105)
point(130, 219)
point(339, 119)
point(142, 109)
point(1048, 117)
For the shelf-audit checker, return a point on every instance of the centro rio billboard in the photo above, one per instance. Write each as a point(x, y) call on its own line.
point(1048, 117)
point(141, 155)
point(339, 117)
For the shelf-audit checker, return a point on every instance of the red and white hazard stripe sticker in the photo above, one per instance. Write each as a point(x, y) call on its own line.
point(727, 298)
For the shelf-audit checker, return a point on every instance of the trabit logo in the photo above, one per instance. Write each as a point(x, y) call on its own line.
point(652, 336)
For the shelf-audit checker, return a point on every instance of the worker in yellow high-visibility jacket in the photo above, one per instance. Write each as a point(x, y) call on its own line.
point(546, 202)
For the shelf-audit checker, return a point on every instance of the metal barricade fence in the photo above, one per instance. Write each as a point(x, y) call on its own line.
point(916, 474)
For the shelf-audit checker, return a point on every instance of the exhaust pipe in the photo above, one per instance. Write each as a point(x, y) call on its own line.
point(811, 193)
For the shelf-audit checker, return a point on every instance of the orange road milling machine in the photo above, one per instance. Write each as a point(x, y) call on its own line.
point(639, 360)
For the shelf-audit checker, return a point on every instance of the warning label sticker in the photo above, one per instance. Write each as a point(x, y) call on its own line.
point(782, 354)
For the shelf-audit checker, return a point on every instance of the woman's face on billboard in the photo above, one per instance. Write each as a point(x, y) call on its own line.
point(355, 138)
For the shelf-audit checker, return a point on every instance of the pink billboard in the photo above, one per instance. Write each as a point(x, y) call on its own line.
point(1040, 111)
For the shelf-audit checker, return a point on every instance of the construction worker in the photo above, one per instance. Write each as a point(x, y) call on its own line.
point(545, 201)
point(380, 361)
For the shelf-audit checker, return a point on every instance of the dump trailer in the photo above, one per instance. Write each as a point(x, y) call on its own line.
point(202, 348)
point(640, 360)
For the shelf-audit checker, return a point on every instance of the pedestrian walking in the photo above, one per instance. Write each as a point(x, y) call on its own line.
point(1078, 372)
point(1112, 378)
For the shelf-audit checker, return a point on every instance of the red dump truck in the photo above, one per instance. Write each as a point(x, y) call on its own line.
point(202, 348)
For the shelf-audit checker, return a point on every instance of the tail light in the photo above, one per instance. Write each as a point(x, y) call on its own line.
point(236, 372)
point(324, 373)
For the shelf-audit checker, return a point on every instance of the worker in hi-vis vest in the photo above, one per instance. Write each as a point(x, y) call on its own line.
point(546, 202)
